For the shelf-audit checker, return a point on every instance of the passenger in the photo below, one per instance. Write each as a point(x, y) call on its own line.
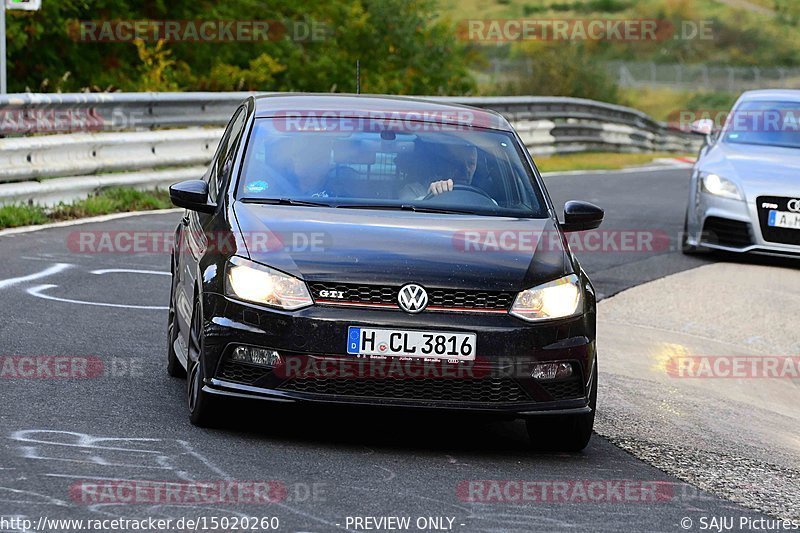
point(299, 167)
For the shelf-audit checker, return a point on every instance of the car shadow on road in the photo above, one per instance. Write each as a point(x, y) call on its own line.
point(754, 259)
point(379, 428)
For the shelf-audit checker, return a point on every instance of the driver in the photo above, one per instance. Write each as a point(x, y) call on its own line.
point(460, 170)
point(463, 170)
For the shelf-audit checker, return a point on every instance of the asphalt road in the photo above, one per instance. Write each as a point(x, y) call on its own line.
point(130, 422)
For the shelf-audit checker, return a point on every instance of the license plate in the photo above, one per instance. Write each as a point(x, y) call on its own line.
point(405, 343)
point(784, 219)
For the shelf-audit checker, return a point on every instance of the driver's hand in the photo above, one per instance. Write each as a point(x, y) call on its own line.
point(438, 187)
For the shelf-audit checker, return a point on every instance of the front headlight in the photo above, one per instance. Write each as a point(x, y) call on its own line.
point(557, 299)
point(719, 186)
point(256, 283)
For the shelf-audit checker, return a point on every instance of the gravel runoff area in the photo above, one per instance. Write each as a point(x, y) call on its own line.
point(667, 393)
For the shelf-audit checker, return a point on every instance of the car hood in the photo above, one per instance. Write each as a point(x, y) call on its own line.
point(397, 247)
point(758, 170)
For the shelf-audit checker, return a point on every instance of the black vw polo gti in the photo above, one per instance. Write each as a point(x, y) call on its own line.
point(382, 251)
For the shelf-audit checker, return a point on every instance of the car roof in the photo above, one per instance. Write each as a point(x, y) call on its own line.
point(771, 94)
point(391, 107)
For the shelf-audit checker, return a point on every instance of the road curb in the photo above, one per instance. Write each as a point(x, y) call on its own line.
point(728, 434)
point(89, 220)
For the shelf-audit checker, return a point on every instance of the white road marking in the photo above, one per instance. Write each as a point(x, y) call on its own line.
point(46, 499)
point(224, 475)
point(211, 466)
point(99, 445)
point(628, 170)
point(55, 269)
point(81, 440)
point(129, 271)
point(38, 292)
point(391, 475)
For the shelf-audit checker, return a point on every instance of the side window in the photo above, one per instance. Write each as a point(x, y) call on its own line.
point(236, 132)
point(223, 160)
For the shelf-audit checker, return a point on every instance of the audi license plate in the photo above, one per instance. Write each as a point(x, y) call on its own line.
point(784, 219)
point(405, 343)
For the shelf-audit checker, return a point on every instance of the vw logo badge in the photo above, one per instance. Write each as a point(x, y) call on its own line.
point(412, 298)
point(793, 205)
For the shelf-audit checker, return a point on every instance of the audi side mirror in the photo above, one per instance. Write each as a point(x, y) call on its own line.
point(704, 127)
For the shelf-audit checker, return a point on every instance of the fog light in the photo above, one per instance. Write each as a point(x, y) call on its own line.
point(551, 370)
point(256, 356)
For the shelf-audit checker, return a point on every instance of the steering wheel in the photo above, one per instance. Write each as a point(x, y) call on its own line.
point(465, 188)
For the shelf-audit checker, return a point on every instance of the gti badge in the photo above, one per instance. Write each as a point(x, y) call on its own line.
point(412, 298)
point(338, 295)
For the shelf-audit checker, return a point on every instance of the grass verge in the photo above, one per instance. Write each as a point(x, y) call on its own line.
point(103, 203)
point(598, 161)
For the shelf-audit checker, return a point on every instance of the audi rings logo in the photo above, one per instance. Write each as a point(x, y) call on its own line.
point(412, 298)
point(793, 205)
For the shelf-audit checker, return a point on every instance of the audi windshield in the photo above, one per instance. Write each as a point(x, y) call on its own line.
point(765, 123)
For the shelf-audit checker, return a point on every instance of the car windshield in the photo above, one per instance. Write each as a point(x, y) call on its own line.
point(765, 123)
point(427, 167)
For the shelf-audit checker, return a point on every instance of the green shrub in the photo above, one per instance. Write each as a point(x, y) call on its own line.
point(562, 69)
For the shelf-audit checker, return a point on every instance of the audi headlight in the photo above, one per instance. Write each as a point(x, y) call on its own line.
point(256, 283)
point(719, 186)
point(556, 299)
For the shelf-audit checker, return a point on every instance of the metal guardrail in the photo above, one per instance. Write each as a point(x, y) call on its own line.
point(98, 137)
point(82, 154)
point(23, 114)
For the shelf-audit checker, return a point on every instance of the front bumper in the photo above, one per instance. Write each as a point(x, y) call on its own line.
point(499, 381)
point(734, 226)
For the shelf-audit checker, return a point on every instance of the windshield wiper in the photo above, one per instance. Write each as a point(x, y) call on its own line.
point(284, 201)
point(408, 207)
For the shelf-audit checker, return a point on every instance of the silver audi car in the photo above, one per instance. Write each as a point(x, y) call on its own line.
point(745, 189)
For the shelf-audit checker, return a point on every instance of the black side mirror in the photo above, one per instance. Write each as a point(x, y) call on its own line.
point(581, 216)
point(192, 195)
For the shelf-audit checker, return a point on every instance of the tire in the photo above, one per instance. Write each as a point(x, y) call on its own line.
point(686, 248)
point(203, 407)
point(570, 433)
point(174, 367)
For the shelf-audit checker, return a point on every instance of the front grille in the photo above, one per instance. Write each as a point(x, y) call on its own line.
point(563, 390)
point(489, 390)
point(770, 233)
point(437, 298)
point(241, 373)
point(470, 299)
point(726, 232)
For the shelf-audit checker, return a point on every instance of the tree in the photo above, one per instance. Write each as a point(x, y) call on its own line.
point(403, 49)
